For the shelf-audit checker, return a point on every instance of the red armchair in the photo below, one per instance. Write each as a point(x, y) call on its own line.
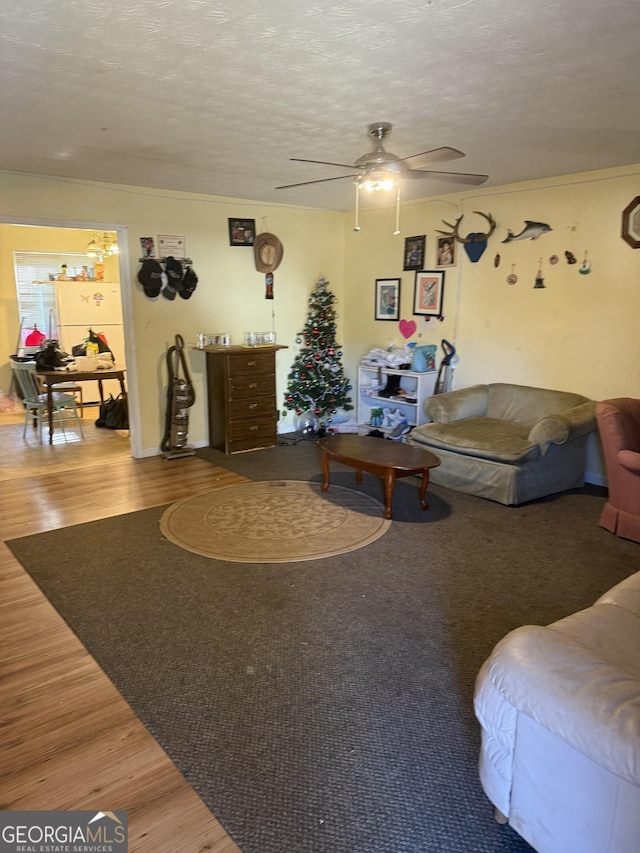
point(619, 427)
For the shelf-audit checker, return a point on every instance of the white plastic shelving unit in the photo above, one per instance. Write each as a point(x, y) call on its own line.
point(414, 388)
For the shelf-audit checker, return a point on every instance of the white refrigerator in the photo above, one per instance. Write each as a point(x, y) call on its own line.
point(97, 305)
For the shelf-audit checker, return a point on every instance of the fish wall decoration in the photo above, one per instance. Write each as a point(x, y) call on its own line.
point(531, 231)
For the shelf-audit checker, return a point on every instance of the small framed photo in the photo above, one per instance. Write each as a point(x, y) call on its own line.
point(242, 232)
point(446, 252)
point(387, 299)
point(414, 248)
point(147, 247)
point(429, 293)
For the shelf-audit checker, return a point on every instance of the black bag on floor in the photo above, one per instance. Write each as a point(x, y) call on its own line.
point(114, 413)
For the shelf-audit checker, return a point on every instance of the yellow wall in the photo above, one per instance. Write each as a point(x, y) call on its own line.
point(579, 333)
point(230, 293)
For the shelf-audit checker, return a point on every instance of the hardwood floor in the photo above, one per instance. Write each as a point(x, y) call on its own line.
point(68, 740)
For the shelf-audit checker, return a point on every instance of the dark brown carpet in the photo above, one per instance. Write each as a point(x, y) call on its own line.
point(326, 706)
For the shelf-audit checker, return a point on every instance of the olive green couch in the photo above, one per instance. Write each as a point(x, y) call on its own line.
point(508, 443)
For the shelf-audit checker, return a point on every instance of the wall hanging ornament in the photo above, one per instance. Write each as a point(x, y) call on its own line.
point(268, 281)
point(531, 231)
point(631, 223)
point(571, 258)
point(539, 283)
point(553, 260)
point(512, 278)
point(496, 261)
point(267, 252)
point(585, 266)
point(407, 328)
point(475, 242)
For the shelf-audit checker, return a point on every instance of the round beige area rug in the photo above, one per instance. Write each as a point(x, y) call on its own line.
point(276, 521)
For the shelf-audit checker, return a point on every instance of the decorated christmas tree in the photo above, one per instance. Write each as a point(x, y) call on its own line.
point(317, 387)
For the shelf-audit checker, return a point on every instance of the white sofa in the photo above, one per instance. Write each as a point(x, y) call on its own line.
point(559, 708)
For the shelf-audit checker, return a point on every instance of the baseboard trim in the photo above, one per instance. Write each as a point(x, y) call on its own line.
point(595, 479)
point(156, 451)
point(590, 477)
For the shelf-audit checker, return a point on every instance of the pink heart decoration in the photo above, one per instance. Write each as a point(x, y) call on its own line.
point(407, 328)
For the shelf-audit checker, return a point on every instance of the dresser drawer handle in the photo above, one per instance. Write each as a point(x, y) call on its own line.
point(254, 427)
point(251, 364)
point(253, 385)
point(253, 405)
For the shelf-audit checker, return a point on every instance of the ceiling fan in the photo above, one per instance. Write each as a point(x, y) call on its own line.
point(382, 170)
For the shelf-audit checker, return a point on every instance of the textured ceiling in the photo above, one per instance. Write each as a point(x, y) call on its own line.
point(215, 97)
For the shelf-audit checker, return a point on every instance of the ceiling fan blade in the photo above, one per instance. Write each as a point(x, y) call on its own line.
point(436, 155)
point(321, 181)
point(323, 163)
point(453, 177)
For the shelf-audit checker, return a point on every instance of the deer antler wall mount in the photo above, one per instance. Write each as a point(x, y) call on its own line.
point(475, 242)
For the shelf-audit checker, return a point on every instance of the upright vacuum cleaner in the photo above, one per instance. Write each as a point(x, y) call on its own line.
point(444, 382)
point(180, 398)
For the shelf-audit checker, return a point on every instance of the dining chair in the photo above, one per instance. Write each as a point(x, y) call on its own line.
point(36, 404)
point(70, 388)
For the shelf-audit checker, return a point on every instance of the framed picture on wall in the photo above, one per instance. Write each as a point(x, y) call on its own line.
point(445, 252)
point(242, 232)
point(387, 299)
point(429, 293)
point(414, 252)
point(171, 244)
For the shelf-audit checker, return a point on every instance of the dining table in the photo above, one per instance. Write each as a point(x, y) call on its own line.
point(50, 378)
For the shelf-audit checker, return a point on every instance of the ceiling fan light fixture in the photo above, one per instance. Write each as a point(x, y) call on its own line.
point(377, 179)
point(376, 185)
point(382, 171)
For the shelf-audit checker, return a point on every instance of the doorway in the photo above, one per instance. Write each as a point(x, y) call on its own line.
point(40, 236)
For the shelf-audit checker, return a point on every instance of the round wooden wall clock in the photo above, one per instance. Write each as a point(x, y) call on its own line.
point(631, 223)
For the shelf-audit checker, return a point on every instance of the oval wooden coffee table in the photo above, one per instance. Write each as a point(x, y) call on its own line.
point(388, 459)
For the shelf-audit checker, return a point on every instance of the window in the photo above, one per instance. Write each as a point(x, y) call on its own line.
point(35, 273)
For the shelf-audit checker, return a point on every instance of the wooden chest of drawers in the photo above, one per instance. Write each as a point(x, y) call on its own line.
point(241, 391)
